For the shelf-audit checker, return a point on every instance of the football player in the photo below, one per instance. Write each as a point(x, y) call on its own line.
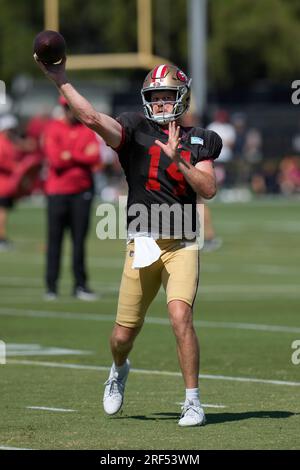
point(9, 155)
point(165, 165)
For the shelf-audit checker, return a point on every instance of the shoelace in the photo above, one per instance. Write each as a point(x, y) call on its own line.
point(189, 407)
point(116, 386)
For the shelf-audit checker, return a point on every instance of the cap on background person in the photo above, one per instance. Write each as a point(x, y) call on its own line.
point(221, 115)
point(8, 121)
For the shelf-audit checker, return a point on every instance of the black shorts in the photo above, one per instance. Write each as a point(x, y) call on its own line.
point(6, 202)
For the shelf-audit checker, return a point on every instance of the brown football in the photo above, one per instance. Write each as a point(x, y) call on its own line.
point(49, 46)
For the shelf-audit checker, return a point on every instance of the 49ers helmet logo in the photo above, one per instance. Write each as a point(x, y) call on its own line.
point(181, 76)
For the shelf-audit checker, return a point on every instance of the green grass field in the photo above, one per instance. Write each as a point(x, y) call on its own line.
point(247, 316)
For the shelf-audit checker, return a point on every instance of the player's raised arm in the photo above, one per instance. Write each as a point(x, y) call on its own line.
point(107, 127)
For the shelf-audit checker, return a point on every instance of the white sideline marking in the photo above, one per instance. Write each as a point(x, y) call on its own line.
point(153, 372)
point(250, 288)
point(36, 299)
point(272, 269)
point(30, 301)
point(17, 349)
point(273, 226)
point(35, 283)
point(236, 289)
point(45, 408)
point(150, 320)
point(249, 326)
point(212, 406)
point(13, 448)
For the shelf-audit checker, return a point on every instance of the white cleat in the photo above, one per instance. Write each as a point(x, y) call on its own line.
point(192, 415)
point(114, 391)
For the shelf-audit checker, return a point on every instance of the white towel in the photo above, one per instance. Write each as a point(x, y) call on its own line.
point(146, 252)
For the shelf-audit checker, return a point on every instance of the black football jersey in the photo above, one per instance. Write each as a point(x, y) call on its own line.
point(160, 201)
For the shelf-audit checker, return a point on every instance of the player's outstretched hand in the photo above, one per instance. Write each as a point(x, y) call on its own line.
point(171, 147)
point(55, 72)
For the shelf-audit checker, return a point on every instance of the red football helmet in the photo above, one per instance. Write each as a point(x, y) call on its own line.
point(166, 77)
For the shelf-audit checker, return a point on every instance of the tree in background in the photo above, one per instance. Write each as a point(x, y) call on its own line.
point(253, 39)
point(248, 39)
point(19, 22)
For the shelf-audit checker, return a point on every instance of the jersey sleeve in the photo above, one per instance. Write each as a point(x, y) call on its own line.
point(209, 147)
point(215, 145)
point(129, 122)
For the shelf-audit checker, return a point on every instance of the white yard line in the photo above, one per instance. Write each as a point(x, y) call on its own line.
point(13, 448)
point(278, 289)
point(45, 408)
point(38, 260)
point(153, 372)
point(151, 320)
point(271, 269)
point(37, 298)
point(205, 405)
point(215, 292)
point(249, 326)
point(30, 301)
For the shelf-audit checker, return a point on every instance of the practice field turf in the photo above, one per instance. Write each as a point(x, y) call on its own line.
point(247, 316)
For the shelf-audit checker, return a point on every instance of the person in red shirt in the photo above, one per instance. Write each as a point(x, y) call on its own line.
point(9, 154)
point(34, 131)
point(71, 150)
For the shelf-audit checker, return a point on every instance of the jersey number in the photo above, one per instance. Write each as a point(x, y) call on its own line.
point(180, 186)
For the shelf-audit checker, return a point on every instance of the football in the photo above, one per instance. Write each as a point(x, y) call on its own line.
point(49, 46)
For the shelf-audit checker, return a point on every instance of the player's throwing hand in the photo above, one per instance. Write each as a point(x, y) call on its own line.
point(56, 72)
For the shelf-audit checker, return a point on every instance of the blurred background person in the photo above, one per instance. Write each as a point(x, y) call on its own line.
point(247, 150)
point(289, 175)
point(295, 138)
point(34, 134)
point(71, 150)
point(109, 180)
point(222, 126)
point(9, 153)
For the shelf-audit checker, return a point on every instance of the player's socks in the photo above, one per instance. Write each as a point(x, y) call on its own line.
point(192, 394)
point(121, 370)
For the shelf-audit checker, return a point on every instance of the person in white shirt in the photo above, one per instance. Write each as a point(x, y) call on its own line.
point(226, 131)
